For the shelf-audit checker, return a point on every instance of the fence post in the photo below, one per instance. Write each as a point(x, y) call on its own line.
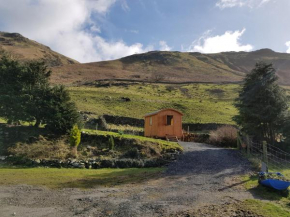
point(1, 138)
point(248, 146)
point(265, 153)
point(238, 141)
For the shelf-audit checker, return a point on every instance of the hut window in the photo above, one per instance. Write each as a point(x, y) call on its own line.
point(150, 121)
point(169, 120)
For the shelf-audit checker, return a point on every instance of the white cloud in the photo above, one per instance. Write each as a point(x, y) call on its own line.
point(240, 3)
point(66, 26)
point(125, 6)
point(119, 49)
point(288, 45)
point(164, 46)
point(220, 43)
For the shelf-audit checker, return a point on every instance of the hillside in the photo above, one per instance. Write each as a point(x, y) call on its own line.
point(200, 103)
point(154, 66)
point(25, 49)
point(176, 67)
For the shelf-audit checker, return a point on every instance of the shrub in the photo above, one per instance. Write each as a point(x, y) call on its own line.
point(225, 136)
point(111, 143)
point(132, 153)
point(75, 137)
point(41, 150)
point(62, 115)
point(201, 138)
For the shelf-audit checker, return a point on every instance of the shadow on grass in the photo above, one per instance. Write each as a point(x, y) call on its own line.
point(115, 178)
point(233, 185)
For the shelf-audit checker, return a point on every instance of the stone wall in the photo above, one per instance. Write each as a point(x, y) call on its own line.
point(135, 122)
point(202, 127)
point(118, 120)
point(90, 163)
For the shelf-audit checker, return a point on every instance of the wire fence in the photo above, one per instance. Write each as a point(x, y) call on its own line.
point(274, 157)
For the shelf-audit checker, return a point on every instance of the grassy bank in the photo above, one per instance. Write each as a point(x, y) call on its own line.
point(198, 102)
point(165, 145)
point(75, 178)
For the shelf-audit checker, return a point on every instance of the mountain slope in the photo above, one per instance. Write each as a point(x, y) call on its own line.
point(161, 66)
point(24, 49)
point(176, 67)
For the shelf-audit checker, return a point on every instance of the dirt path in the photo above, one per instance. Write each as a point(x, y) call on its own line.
point(203, 175)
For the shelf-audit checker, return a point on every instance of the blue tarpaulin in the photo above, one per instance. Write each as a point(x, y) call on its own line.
point(274, 183)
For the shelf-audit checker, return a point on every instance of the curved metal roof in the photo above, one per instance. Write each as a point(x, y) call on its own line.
point(156, 112)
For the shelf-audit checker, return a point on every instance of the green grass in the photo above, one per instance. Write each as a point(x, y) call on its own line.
point(200, 103)
point(165, 145)
point(280, 201)
point(75, 178)
point(125, 127)
point(266, 209)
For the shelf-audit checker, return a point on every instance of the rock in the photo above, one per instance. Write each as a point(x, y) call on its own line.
point(75, 165)
point(125, 99)
point(2, 158)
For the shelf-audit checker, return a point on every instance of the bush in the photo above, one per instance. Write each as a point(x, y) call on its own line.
point(225, 136)
point(201, 138)
point(41, 150)
point(132, 153)
point(75, 138)
point(62, 115)
point(111, 143)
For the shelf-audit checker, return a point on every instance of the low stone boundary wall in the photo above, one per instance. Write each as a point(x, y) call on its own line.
point(135, 122)
point(119, 120)
point(91, 164)
point(202, 127)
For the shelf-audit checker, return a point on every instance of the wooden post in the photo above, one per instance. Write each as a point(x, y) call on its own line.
point(248, 146)
point(188, 130)
point(1, 137)
point(265, 153)
point(238, 141)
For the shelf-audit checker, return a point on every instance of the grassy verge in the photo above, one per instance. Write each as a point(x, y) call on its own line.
point(196, 101)
point(266, 209)
point(75, 178)
point(125, 127)
point(279, 204)
point(165, 145)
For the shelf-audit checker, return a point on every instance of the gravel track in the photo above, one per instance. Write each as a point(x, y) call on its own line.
point(202, 176)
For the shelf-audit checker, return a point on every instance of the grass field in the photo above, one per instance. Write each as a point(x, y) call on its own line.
point(200, 103)
point(75, 178)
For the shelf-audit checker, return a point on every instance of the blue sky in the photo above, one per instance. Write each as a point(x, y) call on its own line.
point(96, 30)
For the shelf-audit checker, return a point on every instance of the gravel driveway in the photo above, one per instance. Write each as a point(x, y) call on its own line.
point(202, 176)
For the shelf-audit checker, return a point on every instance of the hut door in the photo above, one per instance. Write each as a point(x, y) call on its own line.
point(169, 125)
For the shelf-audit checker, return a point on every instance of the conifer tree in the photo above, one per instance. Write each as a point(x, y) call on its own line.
point(261, 103)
